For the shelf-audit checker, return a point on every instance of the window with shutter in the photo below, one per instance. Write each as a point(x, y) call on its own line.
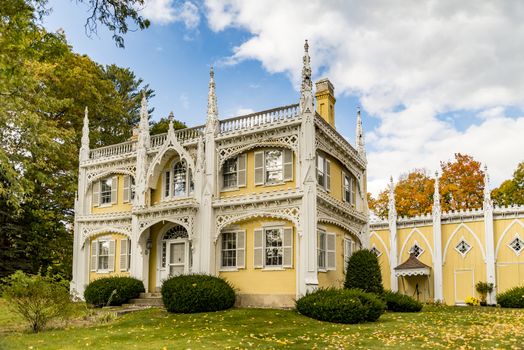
point(288, 165)
point(259, 168)
point(127, 188)
point(321, 172)
point(287, 247)
point(348, 250)
point(241, 175)
point(241, 249)
point(331, 244)
point(229, 249)
point(328, 175)
point(94, 255)
point(124, 254)
point(258, 247)
point(230, 173)
point(96, 193)
point(114, 189)
point(167, 183)
point(321, 250)
point(111, 256)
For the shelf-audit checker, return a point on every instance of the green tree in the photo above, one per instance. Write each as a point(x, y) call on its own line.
point(511, 192)
point(161, 126)
point(363, 272)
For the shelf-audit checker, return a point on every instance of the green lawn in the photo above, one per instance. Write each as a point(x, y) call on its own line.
point(433, 328)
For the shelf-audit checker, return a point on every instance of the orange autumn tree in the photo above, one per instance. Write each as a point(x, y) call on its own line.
point(413, 195)
point(461, 183)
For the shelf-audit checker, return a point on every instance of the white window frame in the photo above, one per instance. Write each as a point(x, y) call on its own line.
point(349, 249)
point(286, 167)
point(463, 254)
point(422, 250)
point(168, 186)
point(95, 244)
point(286, 248)
point(240, 250)
point(325, 253)
point(224, 174)
point(325, 171)
point(374, 247)
point(348, 190)
point(516, 237)
point(125, 254)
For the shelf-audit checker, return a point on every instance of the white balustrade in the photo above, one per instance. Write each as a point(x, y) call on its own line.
point(256, 119)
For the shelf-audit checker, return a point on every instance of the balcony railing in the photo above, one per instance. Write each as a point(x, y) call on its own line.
point(274, 115)
point(183, 135)
point(113, 150)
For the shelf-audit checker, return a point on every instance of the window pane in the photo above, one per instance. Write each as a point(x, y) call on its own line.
point(229, 255)
point(320, 170)
point(273, 247)
point(105, 191)
point(229, 172)
point(273, 166)
point(179, 179)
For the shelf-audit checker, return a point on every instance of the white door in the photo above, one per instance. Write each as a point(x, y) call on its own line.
point(176, 258)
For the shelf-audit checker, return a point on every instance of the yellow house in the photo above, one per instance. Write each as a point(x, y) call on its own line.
point(452, 251)
point(272, 201)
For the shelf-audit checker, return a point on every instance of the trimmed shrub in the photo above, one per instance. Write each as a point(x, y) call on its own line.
point(197, 293)
point(38, 299)
point(363, 272)
point(113, 291)
point(341, 306)
point(513, 297)
point(398, 302)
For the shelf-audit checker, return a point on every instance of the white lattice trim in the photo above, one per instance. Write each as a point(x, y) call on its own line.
point(357, 231)
point(89, 230)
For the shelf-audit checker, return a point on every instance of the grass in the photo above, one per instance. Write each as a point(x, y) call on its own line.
point(433, 328)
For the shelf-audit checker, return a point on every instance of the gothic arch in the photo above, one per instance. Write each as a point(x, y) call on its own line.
point(89, 233)
point(342, 225)
point(514, 222)
point(183, 221)
point(106, 173)
point(416, 230)
point(237, 151)
point(481, 247)
point(171, 146)
point(374, 234)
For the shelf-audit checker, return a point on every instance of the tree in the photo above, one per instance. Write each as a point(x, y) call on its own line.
point(363, 272)
point(161, 126)
point(413, 195)
point(461, 183)
point(511, 192)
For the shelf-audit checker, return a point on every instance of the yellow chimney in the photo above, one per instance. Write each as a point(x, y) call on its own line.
point(326, 100)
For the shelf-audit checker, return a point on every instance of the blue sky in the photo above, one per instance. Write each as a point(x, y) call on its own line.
point(433, 78)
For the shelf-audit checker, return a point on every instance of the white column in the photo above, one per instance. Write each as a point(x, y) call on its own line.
point(307, 238)
point(392, 220)
point(489, 234)
point(437, 244)
point(139, 255)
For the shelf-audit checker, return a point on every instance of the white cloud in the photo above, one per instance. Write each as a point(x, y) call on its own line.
point(430, 57)
point(168, 11)
point(244, 111)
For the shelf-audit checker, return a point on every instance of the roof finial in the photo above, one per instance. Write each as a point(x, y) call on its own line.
point(436, 194)
point(391, 203)
point(212, 108)
point(84, 147)
point(487, 193)
point(307, 84)
point(359, 137)
point(143, 127)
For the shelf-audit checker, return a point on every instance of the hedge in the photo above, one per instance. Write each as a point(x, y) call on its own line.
point(397, 302)
point(363, 272)
point(513, 297)
point(113, 290)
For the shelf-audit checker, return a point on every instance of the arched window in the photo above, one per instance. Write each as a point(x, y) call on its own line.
point(175, 232)
point(180, 179)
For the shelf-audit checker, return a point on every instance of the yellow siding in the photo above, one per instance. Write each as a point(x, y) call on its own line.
point(153, 255)
point(260, 281)
point(117, 237)
point(335, 278)
point(509, 266)
point(120, 206)
point(460, 274)
point(156, 194)
point(382, 244)
point(336, 188)
point(250, 187)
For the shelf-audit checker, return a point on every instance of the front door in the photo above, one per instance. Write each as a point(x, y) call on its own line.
point(176, 257)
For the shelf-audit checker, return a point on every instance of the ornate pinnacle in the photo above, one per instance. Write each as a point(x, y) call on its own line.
point(143, 126)
point(487, 193)
point(391, 202)
point(212, 108)
point(85, 129)
point(307, 84)
point(436, 194)
point(361, 148)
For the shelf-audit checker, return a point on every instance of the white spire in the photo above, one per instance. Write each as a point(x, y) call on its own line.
point(359, 137)
point(171, 129)
point(487, 192)
point(84, 148)
point(143, 127)
point(307, 84)
point(391, 202)
point(212, 108)
point(436, 195)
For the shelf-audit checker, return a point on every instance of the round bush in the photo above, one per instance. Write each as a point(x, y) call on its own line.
point(513, 297)
point(397, 302)
point(113, 290)
point(197, 293)
point(363, 272)
point(341, 306)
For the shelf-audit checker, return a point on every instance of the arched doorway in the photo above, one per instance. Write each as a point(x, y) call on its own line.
point(175, 256)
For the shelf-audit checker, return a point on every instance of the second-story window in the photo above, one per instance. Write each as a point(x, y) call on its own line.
point(348, 193)
point(229, 171)
point(273, 166)
point(323, 172)
point(105, 191)
point(178, 181)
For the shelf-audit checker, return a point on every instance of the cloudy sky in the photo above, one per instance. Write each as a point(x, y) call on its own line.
point(433, 77)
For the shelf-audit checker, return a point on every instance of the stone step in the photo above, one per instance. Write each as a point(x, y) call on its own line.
point(147, 302)
point(150, 295)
